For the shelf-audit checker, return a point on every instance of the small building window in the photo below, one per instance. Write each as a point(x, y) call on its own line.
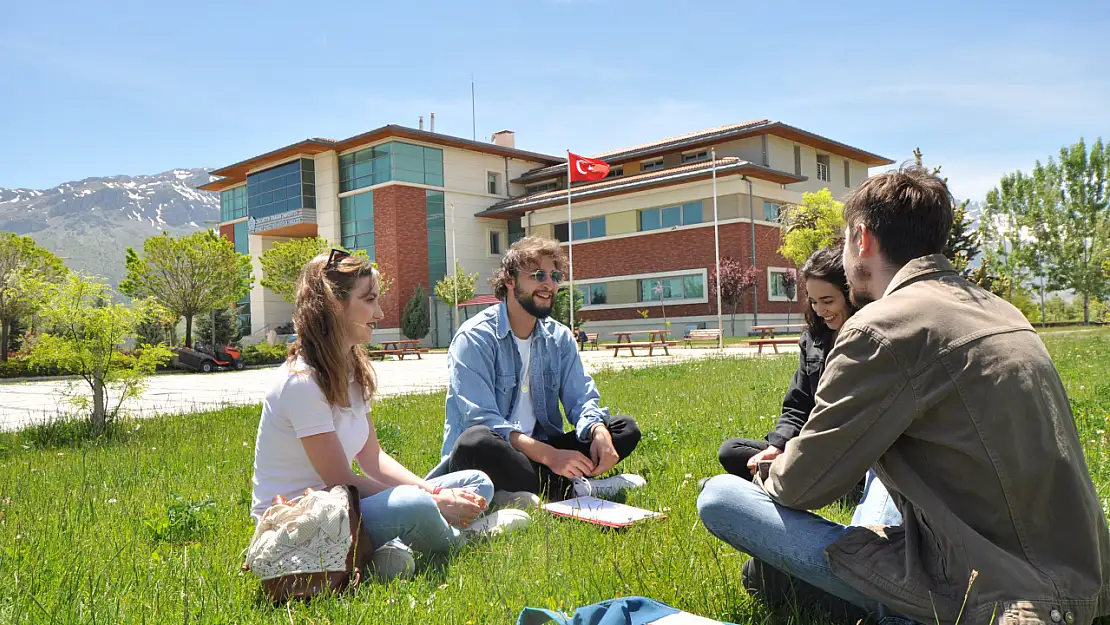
point(695, 157)
point(847, 173)
point(823, 167)
point(615, 171)
point(771, 211)
point(782, 284)
point(797, 160)
point(671, 216)
point(495, 243)
point(541, 188)
point(493, 182)
point(655, 165)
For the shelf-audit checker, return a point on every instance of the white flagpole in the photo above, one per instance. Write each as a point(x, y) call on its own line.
point(717, 253)
point(570, 250)
point(454, 274)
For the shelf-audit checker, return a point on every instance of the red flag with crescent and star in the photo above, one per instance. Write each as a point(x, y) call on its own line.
point(586, 169)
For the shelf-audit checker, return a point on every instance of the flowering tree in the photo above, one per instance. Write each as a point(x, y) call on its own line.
point(736, 281)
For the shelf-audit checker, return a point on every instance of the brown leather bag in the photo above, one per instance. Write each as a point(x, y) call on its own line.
point(310, 545)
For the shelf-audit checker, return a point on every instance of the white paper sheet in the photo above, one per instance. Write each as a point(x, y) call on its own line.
point(600, 511)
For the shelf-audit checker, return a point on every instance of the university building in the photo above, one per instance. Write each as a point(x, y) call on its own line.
point(643, 233)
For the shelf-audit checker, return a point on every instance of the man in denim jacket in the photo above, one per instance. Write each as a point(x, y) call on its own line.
point(510, 367)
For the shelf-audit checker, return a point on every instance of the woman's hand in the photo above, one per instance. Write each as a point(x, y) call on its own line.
point(459, 506)
point(768, 454)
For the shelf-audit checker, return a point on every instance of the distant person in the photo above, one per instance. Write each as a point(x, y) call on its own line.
point(316, 421)
point(949, 394)
point(510, 368)
point(580, 334)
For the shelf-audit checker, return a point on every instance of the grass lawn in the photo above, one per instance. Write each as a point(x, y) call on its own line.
point(149, 524)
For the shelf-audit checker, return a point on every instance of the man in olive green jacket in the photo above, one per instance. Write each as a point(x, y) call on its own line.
point(948, 393)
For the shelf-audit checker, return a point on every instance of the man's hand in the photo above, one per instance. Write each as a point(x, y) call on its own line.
point(770, 453)
point(569, 463)
point(602, 452)
point(459, 506)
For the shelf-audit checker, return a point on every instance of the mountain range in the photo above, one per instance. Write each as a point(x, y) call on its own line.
point(91, 222)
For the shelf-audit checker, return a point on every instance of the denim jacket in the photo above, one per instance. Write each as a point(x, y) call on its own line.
point(484, 371)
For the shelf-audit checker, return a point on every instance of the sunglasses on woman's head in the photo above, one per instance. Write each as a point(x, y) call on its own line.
point(540, 275)
point(335, 257)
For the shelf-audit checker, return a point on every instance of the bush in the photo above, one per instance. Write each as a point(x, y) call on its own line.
point(21, 367)
point(265, 354)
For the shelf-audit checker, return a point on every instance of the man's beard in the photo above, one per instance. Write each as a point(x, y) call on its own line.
point(529, 304)
point(859, 296)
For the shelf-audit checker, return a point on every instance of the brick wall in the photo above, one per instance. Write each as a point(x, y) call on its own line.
point(400, 245)
point(677, 250)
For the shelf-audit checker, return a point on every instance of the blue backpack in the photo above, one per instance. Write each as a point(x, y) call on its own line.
point(623, 611)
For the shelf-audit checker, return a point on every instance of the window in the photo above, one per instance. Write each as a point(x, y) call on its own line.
point(593, 294)
point(493, 182)
point(615, 171)
point(516, 231)
point(695, 157)
point(783, 285)
point(671, 216)
point(678, 287)
point(847, 173)
point(771, 211)
point(541, 188)
point(233, 204)
point(356, 222)
point(655, 165)
point(823, 167)
point(391, 161)
point(437, 238)
point(562, 232)
point(494, 243)
point(281, 189)
point(797, 160)
point(587, 228)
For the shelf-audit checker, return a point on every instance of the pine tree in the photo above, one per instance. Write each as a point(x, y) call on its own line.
point(415, 322)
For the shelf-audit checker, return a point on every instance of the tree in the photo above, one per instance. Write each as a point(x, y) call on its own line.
point(736, 280)
point(25, 269)
point(415, 322)
point(188, 275)
point(816, 223)
point(225, 323)
point(963, 241)
point(283, 263)
point(455, 292)
point(86, 331)
point(560, 310)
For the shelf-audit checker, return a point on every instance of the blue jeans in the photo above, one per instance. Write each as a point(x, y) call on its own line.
point(793, 541)
point(409, 513)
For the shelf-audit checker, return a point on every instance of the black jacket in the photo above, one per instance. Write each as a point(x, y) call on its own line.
point(802, 394)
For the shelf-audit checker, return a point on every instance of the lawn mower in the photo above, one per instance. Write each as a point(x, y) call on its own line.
point(205, 359)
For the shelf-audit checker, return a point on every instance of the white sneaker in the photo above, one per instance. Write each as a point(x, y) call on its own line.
point(392, 560)
point(607, 487)
point(521, 500)
point(496, 523)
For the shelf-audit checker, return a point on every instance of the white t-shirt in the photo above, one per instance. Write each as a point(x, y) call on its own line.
point(523, 413)
point(295, 407)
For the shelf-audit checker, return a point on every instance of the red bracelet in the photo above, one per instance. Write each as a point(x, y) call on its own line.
point(437, 490)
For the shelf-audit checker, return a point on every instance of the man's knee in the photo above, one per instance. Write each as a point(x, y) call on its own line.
point(476, 440)
point(724, 495)
point(626, 434)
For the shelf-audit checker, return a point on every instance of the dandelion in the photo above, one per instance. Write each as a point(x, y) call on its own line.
point(112, 500)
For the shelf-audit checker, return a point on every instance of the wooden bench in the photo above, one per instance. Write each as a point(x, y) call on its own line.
point(380, 354)
point(772, 342)
point(713, 334)
point(591, 339)
point(651, 347)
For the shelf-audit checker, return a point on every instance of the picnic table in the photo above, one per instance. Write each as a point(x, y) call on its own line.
point(656, 339)
point(768, 331)
point(400, 348)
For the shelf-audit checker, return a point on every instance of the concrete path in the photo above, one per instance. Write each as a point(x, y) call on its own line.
point(25, 403)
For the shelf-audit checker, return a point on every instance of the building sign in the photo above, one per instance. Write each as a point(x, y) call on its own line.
point(281, 220)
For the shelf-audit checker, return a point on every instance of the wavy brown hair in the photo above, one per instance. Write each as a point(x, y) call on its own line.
point(322, 292)
point(527, 252)
point(826, 264)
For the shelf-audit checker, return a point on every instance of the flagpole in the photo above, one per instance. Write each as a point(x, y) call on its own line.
point(570, 249)
point(717, 254)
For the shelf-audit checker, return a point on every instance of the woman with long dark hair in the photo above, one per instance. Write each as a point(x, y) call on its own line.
point(828, 307)
point(316, 422)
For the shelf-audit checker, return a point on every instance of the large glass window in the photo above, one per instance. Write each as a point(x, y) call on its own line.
point(280, 189)
point(771, 211)
point(671, 216)
point(678, 287)
point(437, 238)
point(356, 222)
point(593, 294)
point(243, 306)
point(233, 203)
point(395, 160)
point(581, 229)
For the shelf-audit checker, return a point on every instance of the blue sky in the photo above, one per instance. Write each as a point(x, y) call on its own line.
point(101, 88)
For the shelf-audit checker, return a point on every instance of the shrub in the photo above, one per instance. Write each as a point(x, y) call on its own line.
point(265, 354)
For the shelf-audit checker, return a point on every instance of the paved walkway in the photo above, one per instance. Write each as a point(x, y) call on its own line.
point(24, 403)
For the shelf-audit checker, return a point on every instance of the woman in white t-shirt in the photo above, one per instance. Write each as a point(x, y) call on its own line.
point(315, 422)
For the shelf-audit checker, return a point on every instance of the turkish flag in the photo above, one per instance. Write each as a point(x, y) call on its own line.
point(586, 169)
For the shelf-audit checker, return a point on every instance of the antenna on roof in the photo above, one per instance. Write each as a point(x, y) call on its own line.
point(473, 119)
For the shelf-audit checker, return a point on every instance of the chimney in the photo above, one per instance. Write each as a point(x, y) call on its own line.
point(433, 120)
point(422, 122)
point(504, 138)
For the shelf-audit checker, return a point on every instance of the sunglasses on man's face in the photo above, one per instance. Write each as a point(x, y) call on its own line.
point(540, 275)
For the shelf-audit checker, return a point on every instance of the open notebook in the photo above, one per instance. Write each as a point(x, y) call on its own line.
point(600, 511)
